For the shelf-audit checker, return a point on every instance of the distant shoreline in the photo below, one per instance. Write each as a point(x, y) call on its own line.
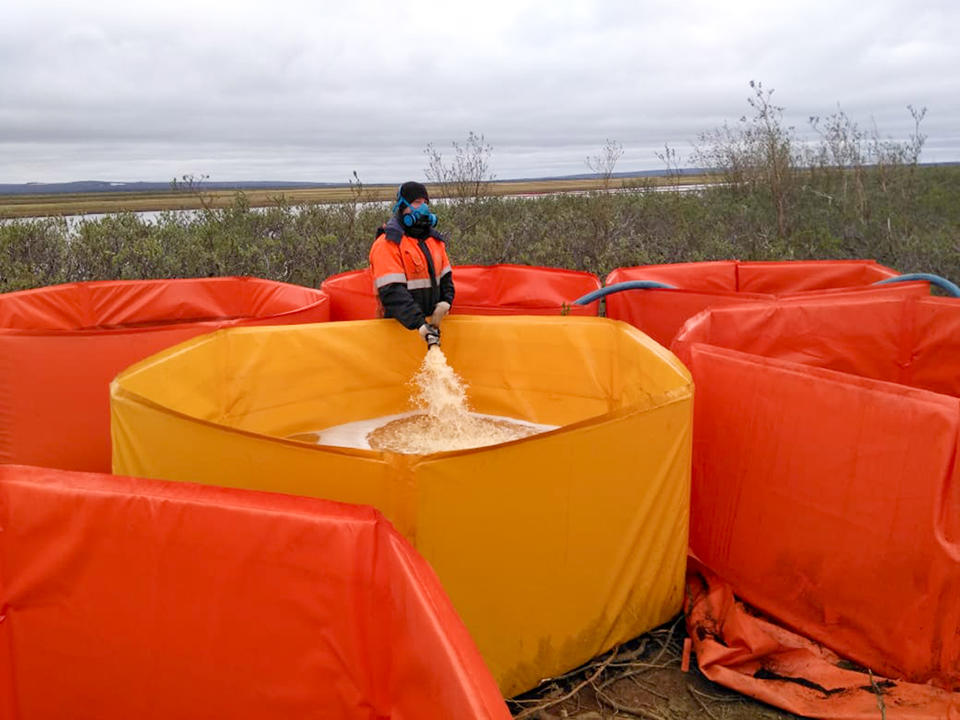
point(211, 196)
point(96, 197)
point(107, 186)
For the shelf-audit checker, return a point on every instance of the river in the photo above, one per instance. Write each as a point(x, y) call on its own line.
point(150, 216)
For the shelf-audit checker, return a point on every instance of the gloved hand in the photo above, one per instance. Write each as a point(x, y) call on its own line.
point(431, 334)
point(439, 312)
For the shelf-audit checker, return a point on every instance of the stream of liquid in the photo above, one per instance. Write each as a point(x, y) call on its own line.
point(441, 421)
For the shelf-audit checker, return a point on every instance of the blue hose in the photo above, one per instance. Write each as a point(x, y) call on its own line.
point(617, 287)
point(949, 287)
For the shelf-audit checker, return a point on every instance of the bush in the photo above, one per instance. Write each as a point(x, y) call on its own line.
point(33, 253)
point(914, 229)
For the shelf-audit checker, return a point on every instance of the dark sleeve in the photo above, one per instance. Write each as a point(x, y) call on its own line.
point(399, 303)
point(446, 288)
point(446, 273)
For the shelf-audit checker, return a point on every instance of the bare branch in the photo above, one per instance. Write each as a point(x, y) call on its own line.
point(604, 163)
point(466, 176)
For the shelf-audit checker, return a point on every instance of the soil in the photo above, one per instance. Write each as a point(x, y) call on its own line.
point(640, 679)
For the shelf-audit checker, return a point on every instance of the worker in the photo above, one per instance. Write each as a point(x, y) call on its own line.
point(411, 270)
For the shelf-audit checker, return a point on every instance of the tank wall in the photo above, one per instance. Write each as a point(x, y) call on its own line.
point(480, 290)
point(129, 598)
point(895, 337)
point(710, 277)
point(60, 347)
point(353, 371)
point(802, 276)
point(816, 495)
point(612, 484)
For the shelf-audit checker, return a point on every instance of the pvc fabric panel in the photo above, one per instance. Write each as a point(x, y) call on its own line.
point(935, 348)
point(519, 289)
point(825, 473)
point(817, 334)
point(707, 277)
point(353, 295)
point(594, 512)
point(480, 290)
point(777, 278)
point(661, 313)
point(129, 598)
point(61, 346)
point(740, 649)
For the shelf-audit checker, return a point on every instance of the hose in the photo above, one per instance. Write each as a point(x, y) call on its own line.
point(947, 286)
point(617, 287)
point(950, 288)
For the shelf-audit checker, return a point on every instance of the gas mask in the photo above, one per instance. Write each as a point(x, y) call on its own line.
point(419, 217)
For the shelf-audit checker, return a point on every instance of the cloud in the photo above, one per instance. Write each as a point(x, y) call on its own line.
point(298, 90)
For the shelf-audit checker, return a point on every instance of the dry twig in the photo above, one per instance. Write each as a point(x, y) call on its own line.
point(696, 696)
point(716, 698)
point(619, 664)
point(646, 687)
point(619, 707)
point(577, 688)
point(880, 703)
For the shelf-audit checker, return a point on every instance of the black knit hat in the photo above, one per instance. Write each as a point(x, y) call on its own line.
point(412, 190)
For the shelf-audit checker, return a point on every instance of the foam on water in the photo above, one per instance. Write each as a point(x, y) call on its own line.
point(443, 419)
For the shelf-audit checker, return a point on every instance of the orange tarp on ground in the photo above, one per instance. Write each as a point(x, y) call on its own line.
point(826, 482)
point(481, 290)
point(61, 346)
point(124, 598)
point(754, 656)
point(661, 313)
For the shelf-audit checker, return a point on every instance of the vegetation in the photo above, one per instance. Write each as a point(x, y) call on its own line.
point(467, 176)
point(912, 226)
point(604, 163)
point(852, 194)
point(191, 195)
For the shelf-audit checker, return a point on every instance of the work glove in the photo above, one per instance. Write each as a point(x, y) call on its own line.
point(431, 334)
point(439, 312)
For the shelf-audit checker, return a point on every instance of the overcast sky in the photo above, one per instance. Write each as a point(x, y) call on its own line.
point(291, 90)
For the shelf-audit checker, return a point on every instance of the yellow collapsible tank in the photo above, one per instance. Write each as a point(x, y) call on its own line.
point(553, 548)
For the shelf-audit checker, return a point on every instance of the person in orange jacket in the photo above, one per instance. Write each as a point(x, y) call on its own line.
point(411, 270)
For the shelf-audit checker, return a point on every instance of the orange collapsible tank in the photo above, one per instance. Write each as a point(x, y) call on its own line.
point(696, 286)
point(826, 481)
point(61, 346)
point(481, 290)
point(125, 598)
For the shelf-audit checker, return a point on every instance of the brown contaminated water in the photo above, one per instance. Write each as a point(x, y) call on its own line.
point(441, 420)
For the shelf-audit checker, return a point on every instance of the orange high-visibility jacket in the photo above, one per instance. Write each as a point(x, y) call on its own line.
point(411, 276)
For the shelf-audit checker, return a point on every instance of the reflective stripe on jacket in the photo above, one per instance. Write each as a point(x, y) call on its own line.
point(411, 276)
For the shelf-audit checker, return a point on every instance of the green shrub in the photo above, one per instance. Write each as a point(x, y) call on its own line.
point(913, 225)
point(33, 253)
